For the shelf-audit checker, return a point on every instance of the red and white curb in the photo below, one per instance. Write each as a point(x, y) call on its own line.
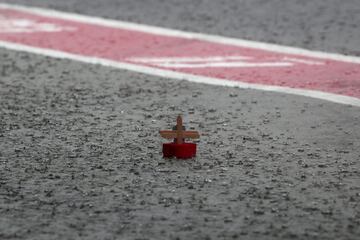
point(181, 55)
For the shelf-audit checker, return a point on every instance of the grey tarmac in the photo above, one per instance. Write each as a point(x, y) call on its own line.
point(80, 153)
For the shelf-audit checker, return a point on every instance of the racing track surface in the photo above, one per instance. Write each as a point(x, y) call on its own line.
point(80, 150)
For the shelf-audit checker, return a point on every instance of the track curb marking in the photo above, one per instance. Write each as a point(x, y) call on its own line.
point(178, 75)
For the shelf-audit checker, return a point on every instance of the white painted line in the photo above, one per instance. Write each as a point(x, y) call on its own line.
point(188, 59)
point(225, 65)
point(182, 34)
point(19, 25)
point(219, 61)
point(183, 76)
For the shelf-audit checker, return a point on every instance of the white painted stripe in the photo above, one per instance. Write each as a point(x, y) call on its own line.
point(218, 62)
point(182, 34)
point(225, 65)
point(183, 76)
point(187, 59)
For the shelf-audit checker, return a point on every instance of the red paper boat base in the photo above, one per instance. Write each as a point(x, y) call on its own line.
point(182, 151)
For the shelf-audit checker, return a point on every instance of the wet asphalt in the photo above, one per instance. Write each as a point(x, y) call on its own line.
point(80, 153)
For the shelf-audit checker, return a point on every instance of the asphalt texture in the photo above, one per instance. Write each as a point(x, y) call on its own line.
point(80, 153)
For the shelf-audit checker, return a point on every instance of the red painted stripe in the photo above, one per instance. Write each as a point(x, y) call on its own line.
point(258, 66)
